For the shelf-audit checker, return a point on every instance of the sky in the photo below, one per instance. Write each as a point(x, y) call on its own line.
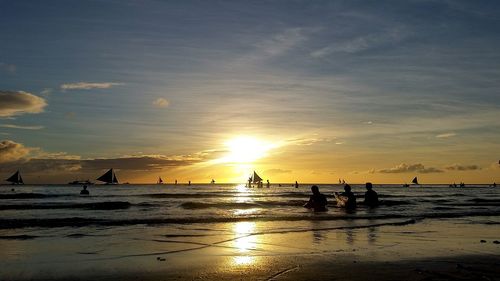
point(313, 91)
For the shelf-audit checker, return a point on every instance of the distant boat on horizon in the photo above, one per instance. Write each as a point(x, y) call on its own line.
point(80, 182)
point(15, 178)
point(415, 180)
point(109, 177)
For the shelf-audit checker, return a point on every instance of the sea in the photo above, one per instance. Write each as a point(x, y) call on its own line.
point(52, 231)
point(59, 206)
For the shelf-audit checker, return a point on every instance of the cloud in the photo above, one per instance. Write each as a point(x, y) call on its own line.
point(19, 102)
point(46, 92)
point(362, 43)
point(21, 127)
point(62, 163)
point(161, 102)
point(10, 68)
point(410, 168)
point(138, 163)
point(283, 42)
point(277, 171)
point(458, 167)
point(43, 166)
point(307, 141)
point(88, 85)
point(12, 151)
point(447, 135)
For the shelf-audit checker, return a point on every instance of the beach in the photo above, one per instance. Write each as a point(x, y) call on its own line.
point(231, 233)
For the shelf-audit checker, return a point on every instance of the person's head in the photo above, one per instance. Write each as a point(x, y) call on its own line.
point(347, 188)
point(315, 189)
point(369, 186)
point(85, 187)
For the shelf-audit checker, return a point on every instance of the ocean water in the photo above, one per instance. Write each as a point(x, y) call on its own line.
point(51, 232)
point(57, 206)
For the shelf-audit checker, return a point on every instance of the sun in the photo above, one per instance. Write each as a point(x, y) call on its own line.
point(244, 149)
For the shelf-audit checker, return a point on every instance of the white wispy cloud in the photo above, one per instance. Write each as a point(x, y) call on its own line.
point(283, 42)
point(361, 43)
point(20, 102)
point(161, 102)
point(89, 85)
point(12, 126)
point(446, 135)
point(46, 92)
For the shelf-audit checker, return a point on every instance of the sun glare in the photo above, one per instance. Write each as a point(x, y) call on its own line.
point(246, 150)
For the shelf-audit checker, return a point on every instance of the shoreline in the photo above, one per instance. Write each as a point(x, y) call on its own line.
point(432, 249)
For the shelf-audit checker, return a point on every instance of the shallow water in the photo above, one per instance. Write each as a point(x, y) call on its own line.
point(52, 206)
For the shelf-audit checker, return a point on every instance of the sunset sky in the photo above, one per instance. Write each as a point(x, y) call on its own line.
point(311, 91)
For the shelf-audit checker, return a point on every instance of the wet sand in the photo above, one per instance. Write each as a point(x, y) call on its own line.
point(425, 250)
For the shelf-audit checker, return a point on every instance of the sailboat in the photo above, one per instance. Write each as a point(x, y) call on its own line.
point(415, 181)
point(160, 181)
point(15, 178)
point(256, 179)
point(109, 177)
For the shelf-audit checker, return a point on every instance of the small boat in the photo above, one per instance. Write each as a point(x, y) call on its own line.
point(160, 181)
point(81, 182)
point(109, 177)
point(15, 178)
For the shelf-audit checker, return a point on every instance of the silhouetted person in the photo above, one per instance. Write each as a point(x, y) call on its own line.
point(84, 191)
point(296, 184)
point(317, 201)
point(494, 184)
point(371, 197)
point(268, 184)
point(175, 181)
point(189, 182)
point(351, 198)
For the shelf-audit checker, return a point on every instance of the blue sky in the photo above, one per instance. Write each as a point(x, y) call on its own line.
point(368, 85)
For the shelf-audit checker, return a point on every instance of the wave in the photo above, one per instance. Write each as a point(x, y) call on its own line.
point(200, 205)
point(81, 222)
point(394, 203)
point(88, 206)
point(17, 237)
point(242, 205)
point(27, 195)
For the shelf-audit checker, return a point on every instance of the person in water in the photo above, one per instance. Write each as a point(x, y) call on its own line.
point(84, 191)
point(351, 198)
point(371, 197)
point(317, 201)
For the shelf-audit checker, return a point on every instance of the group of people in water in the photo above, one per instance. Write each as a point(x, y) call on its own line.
point(347, 199)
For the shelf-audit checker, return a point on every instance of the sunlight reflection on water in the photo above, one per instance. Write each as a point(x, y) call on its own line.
point(244, 244)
